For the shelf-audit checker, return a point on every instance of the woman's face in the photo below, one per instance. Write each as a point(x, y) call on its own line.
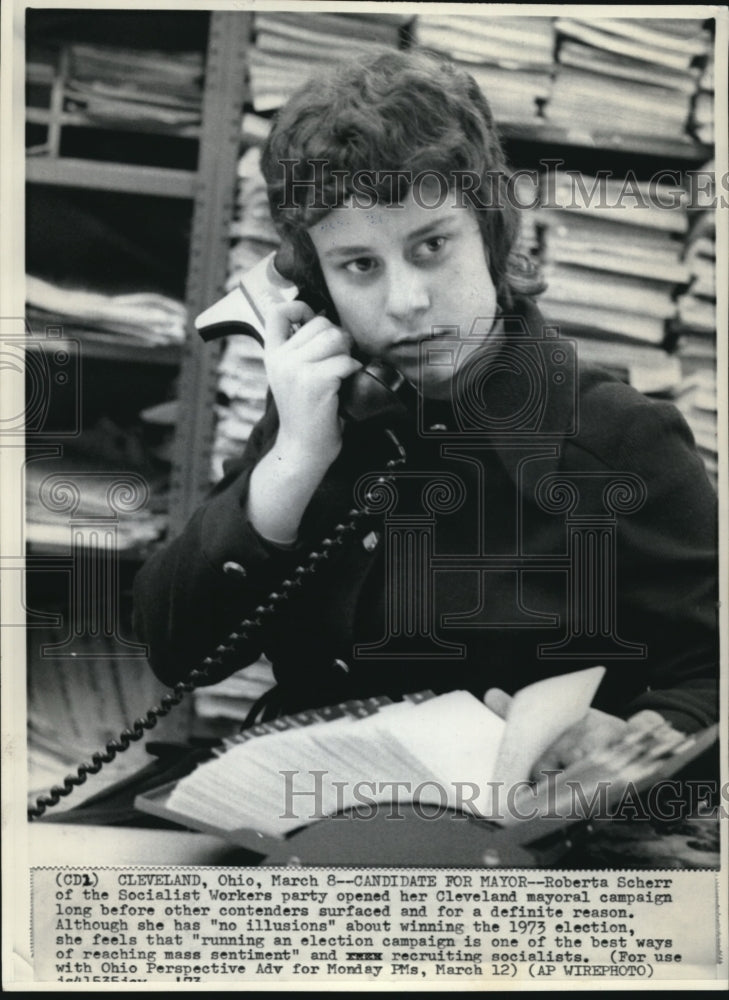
point(401, 276)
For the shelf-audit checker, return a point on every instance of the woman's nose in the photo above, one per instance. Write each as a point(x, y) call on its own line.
point(408, 295)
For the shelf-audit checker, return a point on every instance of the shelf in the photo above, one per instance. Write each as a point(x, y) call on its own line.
point(69, 172)
point(105, 347)
point(43, 116)
point(645, 145)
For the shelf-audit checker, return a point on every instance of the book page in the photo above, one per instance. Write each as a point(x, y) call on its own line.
point(538, 714)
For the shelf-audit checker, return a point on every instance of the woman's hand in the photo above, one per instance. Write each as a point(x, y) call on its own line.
point(593, 733)
point(597, 731)
point(305, 371)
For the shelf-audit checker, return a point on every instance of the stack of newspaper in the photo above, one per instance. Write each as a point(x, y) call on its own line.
point(144, 318)
point(88, 473)
point(290, 47)
point(613, 262)
point(702, 112)
point(134, 87)
point(509, 57)
point(697, 349)
point(627, 75)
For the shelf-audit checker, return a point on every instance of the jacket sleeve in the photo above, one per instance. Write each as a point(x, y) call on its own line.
point(667, 563)
point(194, 591)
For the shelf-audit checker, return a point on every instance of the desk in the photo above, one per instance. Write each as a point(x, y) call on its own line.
point(692, 844)
point(59, 845)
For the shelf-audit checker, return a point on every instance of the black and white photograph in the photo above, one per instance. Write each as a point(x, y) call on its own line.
point(364, 495)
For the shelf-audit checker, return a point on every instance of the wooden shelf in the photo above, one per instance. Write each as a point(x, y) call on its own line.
point(646, 145)
point(69, 172)
point(44, 116)
point(210, 189)
point(104, 347)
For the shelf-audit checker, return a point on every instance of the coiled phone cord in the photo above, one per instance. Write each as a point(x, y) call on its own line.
point(225, 650)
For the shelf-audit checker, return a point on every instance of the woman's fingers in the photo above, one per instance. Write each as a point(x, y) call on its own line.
point(281, 320)
point(498, 701)
point(316, 338)
point(647, 720)
point(332, 371)
point(319, 340)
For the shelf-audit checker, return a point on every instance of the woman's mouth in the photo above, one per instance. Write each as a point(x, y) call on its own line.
point(408, 343)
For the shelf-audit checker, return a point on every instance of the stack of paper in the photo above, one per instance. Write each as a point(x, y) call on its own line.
point(252, 231)
point(290, 47)
point(612, 262)
point(134, 87)
point(702, 112)
point(91, 477)
point(242, 389)
point(701, 260)
point(697, 339)
point(509, 57)
point(627, 75)
point(697, 307)
point(146, 317)
point(650, 370)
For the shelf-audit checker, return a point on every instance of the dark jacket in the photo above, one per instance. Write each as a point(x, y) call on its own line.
point(580, 476)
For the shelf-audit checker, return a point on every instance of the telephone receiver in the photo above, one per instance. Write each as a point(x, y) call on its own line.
point(378, 391)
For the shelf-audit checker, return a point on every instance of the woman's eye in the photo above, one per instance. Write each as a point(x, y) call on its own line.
point(431, 247)
point(362, 265)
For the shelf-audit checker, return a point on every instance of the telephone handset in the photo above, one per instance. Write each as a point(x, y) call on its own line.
point(377, 391)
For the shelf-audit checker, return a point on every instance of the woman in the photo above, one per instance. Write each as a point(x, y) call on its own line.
point(389, 188)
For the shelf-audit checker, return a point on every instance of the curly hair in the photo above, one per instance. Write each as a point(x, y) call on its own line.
point(392, 114)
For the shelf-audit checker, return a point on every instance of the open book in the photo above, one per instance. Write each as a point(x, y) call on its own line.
point(450, 753)
point(434, 749)
point(441, 750)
